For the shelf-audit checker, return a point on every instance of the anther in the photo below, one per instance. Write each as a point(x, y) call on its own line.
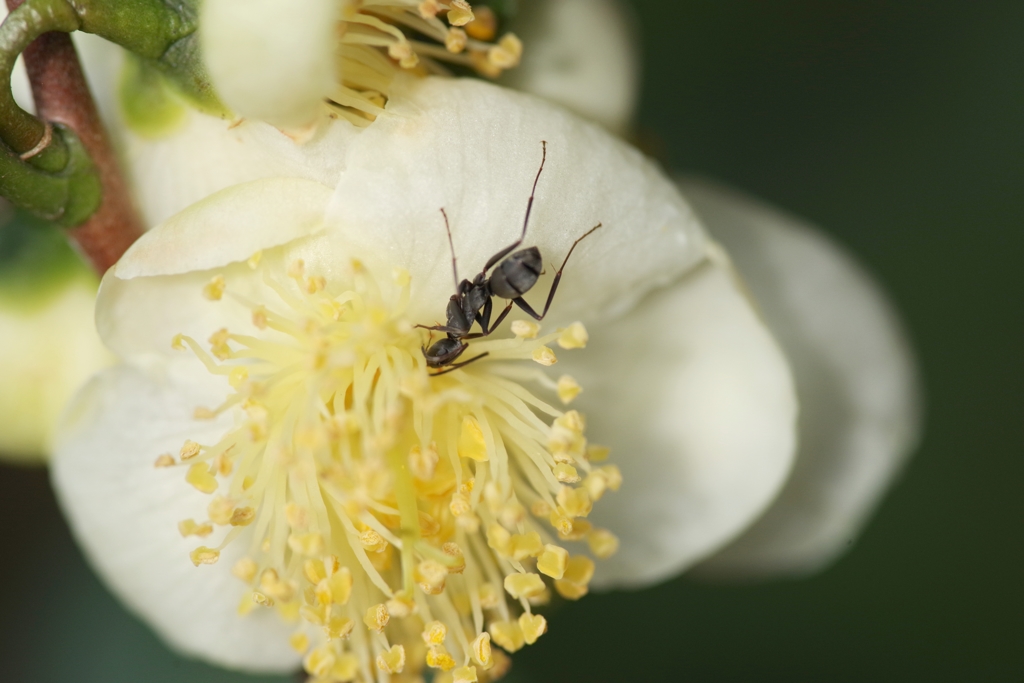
point(533, 627)
point(204, 555)
point(544, 356)
point(573, 337)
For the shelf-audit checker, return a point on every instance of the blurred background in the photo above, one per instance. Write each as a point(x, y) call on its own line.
point(899, 128)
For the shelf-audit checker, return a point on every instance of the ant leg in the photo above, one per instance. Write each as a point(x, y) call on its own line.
point(529, 207)
point(442, 328)
point(456, 366)
point(484, 318)
point(486, 332)
point(521, 302)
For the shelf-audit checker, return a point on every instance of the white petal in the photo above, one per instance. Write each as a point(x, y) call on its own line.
point(228, 226)
point(49, 350)
point(207, 155)
point(582, 55)
point(124, 513)
point(696, 401)
point(271, 60)
point(156, 290)
point(855, 375)
point(474, 149)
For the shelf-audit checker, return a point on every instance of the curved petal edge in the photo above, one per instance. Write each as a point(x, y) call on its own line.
point(856, 378)
point(696, 401)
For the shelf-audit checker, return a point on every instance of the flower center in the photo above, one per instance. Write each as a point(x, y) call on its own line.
point(398, 518)
point(381, 38)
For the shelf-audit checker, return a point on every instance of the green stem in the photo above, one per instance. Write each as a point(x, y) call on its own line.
point(19, 130)
point(67, 197)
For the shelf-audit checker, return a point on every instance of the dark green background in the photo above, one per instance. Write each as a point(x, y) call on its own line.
point(899, 127)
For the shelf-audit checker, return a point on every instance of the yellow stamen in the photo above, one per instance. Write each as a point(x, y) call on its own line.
point(204, 555)
point(374, 492)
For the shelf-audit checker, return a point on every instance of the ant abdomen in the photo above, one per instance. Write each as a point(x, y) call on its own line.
point(517, 274)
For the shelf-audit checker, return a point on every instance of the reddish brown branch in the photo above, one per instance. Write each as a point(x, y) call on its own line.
point(62, 96)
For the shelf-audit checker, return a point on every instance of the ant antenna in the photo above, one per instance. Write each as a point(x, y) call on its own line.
point(455, 269)
point(574, 246)
point(526, 221)
point(529, 204)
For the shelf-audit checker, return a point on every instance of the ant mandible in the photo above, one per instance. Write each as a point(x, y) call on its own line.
point(472, 301)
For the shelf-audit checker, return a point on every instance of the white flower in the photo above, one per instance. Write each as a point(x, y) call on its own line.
point(583, 55)
point(49, 342)
point(290, 66)
point(679, 378)
point(855, 377)
point(271, 59)
point(179, 156)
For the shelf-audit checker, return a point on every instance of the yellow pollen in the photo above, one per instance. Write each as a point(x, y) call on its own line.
point(434, 633)
point(214, 289)
point(574, 583)
point(165, 460)
point(524, 585)
point(392, 661)
point(372, 541)
point(220, 510)
point(431, 576)
point(429, 8)
point(508, 635)
point(566, 473)
point(370, 491)
point(533, 627)
point(200, 476)
point(456, 560)
point(189, 450)
point(481, 650)
point(438, 658)
point(573, 337)
point(262, 599)
point(544, 356)
point(484, 26)
point(204, 555)
point(597, 453)
point(376, 618)
point(525, 329)
point(507, 53)
point(190, 527)
point(296, 516)
point(245, 569)
point(471, 440)
point(603, 543)
point(524, 546)
point(459, 13)
point(568, 389)
point(553, 561)
point(455, 40)
point(299, 642)
point(339, 628)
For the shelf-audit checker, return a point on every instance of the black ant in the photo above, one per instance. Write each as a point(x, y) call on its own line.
point(472, 301)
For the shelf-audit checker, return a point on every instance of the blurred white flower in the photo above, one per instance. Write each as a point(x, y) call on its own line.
point(301, 445)
point(50, 346)
point(856, 379)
